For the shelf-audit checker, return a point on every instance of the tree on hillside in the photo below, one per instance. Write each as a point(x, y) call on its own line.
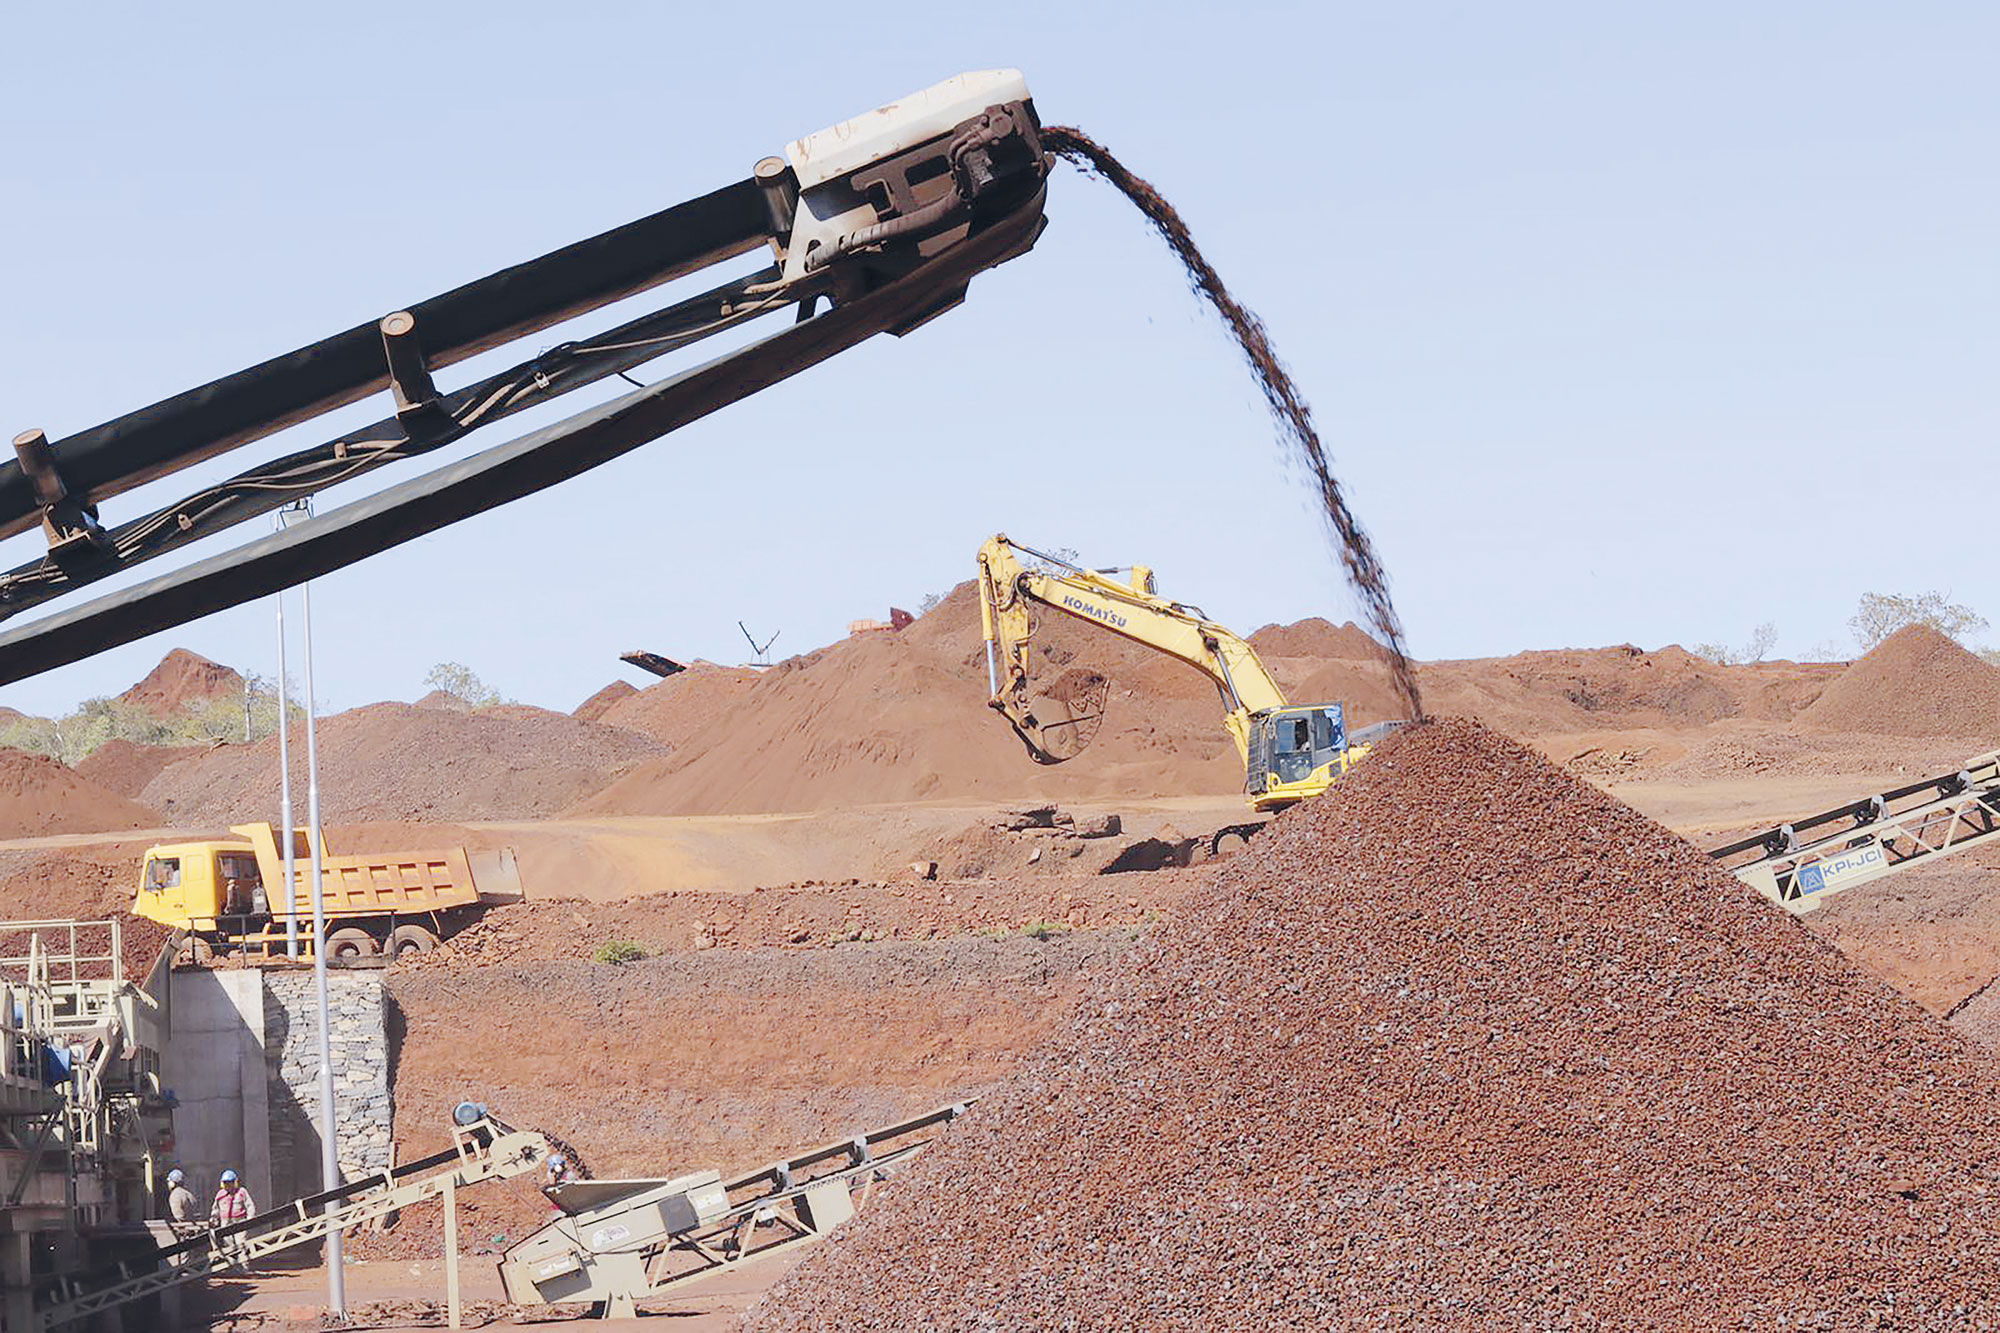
point(1761, 640)
point(1059, 561)
point(460, 683)
point(1882, 614)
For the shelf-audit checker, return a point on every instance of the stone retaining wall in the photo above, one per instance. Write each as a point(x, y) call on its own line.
point(360, 1070)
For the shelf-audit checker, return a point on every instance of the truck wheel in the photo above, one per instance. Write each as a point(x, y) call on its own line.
point(350, 943)
point(407, 941)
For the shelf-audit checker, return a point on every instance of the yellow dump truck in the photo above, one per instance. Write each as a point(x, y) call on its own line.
point(220, 892)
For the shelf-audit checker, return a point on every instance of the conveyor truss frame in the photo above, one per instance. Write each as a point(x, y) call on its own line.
point(1882, 834)
point(624, 1241)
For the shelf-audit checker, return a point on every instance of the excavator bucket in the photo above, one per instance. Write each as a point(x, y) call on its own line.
point(1058, 723)
point(496, 875)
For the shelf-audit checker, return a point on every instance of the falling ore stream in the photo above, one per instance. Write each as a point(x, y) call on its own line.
point(1288, 406)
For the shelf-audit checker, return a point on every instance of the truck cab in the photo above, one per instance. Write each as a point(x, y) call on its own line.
point(203, 883)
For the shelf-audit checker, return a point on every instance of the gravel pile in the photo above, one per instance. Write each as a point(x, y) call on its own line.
point(1465, 1043)
point(124, 768)
point(39, 796)
point(1916, 682)
point(400, 762)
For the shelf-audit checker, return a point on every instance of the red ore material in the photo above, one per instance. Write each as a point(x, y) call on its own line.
point(1463, 1044)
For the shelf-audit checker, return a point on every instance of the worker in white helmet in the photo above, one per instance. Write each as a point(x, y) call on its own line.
point(180, 1199)
point(558, 1173)
point(232, 1202)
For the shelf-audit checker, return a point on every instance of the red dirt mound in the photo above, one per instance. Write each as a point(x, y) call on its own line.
point(1465, 1043)
point(882, 718)
point(1365, 688)
point(1316, 637)
point(676, 708)
point(1591, 689)
point(39, 796)
point(444, 699)
point(395, 761)
point(183, 678)
point(594, 708)
point(69, 883)
point(1916, 682)
point(125, 767)
point(902, 717)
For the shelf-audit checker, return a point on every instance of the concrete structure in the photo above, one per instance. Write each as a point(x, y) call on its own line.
point(215, 1069)
point(243, 1063)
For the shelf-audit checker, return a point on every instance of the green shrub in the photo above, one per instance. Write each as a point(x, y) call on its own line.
point(620, 951)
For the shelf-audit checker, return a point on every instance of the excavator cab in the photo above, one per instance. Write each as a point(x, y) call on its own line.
point(1297, 752)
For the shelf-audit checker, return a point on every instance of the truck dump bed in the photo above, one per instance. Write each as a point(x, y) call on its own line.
point(384, 883)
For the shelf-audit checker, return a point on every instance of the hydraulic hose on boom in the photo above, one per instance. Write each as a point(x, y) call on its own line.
point(1290, 751)
point(874, 225)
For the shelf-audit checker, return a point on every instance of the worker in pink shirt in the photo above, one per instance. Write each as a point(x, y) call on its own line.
point(232, 1203)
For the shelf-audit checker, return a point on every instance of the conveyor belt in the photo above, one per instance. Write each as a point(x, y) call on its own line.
point(178, 432)
point(1882, 834)
point(503, 473)
point(877, 225)
point(622, 1241)
point(484, 1150)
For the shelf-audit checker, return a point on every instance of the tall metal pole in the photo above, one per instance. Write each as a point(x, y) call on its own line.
point(285, 825)
point(329, 1119)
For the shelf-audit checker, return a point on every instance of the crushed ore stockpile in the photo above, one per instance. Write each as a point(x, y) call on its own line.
point(124, 767)
point(40, 796)
point(1463, 1043)
point(1287, 404)
point(675, 709)
point(397, 761)
point(593, 708)
point(1318, 637)
point(1916, 682)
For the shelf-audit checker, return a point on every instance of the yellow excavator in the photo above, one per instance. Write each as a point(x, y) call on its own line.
point(1290, 751)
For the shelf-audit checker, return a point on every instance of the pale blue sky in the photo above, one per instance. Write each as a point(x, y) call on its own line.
point(1622, 322)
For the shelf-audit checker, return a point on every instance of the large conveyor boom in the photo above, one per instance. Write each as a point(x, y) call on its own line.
point(874, 225)
point(1871, 837)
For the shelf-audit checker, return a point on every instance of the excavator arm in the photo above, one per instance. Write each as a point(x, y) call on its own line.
point(1290, 751)
point(874, 225)
point(1060, 721)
